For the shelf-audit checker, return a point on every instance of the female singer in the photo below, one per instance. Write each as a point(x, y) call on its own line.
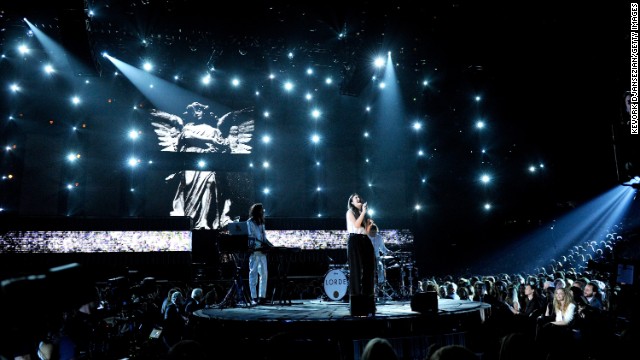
point(361, 259)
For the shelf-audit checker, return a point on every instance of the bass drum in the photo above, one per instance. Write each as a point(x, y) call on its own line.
point(336, 284)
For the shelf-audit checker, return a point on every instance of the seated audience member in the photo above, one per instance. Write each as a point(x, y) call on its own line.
point(591, 292)
point(482, 294)
point(463, 293)
point(535, 305)
point(516, 346)
point(378, 349)
point(167, 300)
point(512, 299)
point(453, 352)
point(173, 326)
point(555, 334)
point(451, 291)
point(195, 302)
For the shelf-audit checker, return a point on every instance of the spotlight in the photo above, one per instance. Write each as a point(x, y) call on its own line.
point(634, 183)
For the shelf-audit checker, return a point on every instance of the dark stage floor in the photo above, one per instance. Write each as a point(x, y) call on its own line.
point(325, 329)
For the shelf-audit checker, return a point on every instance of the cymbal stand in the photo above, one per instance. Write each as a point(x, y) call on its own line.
point(410, 269)
point(236, 294)
point(406, 291)
point(384, 291)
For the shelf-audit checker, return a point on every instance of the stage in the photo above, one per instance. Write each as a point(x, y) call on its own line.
point(308, 316)
point(325, 328)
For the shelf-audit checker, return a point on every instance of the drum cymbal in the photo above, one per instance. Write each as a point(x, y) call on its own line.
point(387, 257)
point(394, 266)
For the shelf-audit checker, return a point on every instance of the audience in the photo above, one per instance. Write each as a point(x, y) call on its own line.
point(560, 310)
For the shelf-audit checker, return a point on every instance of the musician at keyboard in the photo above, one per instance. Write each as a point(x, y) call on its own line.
point(258, 243)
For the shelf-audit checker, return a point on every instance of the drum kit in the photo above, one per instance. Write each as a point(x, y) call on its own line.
point(336, 280)
point(336, 283)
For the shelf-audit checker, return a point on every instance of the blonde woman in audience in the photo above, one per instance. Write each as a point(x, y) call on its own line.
point(512, 299)
point(563, 307)
point(552, 337)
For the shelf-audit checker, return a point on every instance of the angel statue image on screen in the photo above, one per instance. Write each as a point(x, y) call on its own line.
point(198, 194)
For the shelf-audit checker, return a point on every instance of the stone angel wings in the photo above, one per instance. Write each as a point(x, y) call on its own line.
point(204, 132)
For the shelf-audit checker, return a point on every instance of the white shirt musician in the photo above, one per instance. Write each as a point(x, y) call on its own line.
point(379, 249)
point(258, 259)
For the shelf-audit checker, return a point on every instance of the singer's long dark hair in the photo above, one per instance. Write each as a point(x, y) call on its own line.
point(355, 210)
point(256, 213)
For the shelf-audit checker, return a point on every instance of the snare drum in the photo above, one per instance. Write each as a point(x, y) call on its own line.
point(336, 283)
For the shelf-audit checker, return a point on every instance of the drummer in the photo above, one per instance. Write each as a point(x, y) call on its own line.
point(379, 249)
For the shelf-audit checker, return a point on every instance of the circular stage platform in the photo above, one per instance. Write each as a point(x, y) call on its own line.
point(325, 329)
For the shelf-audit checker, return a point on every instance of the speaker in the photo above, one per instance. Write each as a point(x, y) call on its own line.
point(362, 305)
point(425, 302)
